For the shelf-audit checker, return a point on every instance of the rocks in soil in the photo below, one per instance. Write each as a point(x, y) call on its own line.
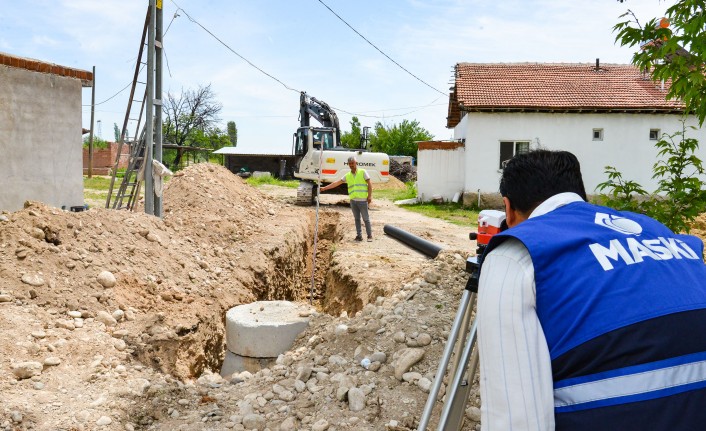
point(124, 353)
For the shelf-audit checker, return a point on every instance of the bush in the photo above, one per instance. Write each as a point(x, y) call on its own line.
point(679, 197)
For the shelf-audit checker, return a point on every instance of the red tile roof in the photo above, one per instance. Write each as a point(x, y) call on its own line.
point(557, 87)
point(85, 76)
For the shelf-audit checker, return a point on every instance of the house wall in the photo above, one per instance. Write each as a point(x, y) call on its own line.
point(40, 139)
point(625, 145)
point(440, 170)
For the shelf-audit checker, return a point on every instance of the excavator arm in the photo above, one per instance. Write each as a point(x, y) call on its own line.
point(311, 107)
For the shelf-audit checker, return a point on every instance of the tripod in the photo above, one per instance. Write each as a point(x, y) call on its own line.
point(465, 358)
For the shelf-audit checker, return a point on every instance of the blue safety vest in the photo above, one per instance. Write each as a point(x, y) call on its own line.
point(622, 303)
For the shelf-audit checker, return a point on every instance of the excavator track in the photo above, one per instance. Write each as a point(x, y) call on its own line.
point(305, 193)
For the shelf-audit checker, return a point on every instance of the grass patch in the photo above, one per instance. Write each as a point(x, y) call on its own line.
point(396, 195)
point(95, 189)
point(96, 183)
point(293, 184)
point(452, 212)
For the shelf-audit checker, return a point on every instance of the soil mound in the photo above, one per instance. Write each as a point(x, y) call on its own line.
point(392, 184)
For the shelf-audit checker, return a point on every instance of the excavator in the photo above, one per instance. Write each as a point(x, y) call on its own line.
point(320, 156)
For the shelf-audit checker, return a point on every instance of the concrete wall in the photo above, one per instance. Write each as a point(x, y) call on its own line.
point(440, 170)
point(40, 139)
point(626, 144)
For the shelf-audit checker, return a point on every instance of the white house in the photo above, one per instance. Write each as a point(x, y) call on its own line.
point(607, 115)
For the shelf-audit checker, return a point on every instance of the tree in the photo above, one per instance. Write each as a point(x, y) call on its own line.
point(399, 139)
point(98, 143)
point(232, 134)
point(352, 139)
point(116, 132)
point(189, 118)
point(672, 49)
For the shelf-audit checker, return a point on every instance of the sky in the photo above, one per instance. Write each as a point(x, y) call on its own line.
point(277, 48)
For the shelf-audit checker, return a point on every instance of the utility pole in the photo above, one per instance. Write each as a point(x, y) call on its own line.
point(149, 120)
point(158, 99)
point(90, 138)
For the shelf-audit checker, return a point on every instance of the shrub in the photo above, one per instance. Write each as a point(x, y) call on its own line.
point(679, 197)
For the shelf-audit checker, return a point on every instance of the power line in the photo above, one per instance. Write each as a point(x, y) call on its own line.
point(130, 83)
point(179, 8)
point(229, 48)
point(380, 51)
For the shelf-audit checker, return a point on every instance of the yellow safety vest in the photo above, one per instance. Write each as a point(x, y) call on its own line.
point(357, 186)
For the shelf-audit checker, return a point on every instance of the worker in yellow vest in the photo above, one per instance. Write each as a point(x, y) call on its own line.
point(360, 192)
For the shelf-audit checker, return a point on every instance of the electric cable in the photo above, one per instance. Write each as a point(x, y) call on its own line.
point(179, 8)
point(231, 49)
point(130, 83)
point(380, 51)
point(419, 108)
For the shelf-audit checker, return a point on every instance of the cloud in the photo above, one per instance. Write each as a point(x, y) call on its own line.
point(45, 41)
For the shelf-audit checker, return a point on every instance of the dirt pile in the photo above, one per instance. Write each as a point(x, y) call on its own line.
point(403, 172)
point(114, 320)
point(392, 184)
point(698, 227)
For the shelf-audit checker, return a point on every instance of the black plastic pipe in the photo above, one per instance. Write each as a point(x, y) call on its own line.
point(427, 248)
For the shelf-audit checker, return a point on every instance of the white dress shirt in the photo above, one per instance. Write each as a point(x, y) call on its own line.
point(515, 368)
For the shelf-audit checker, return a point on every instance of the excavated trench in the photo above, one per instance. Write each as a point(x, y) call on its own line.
point(282, 272)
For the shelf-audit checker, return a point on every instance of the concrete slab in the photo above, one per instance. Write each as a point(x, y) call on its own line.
point(264, 329)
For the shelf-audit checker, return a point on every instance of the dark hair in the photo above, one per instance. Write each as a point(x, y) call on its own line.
point(531, 178)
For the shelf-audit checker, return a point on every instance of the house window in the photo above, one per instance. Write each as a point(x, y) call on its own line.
point(597, 134)
point(508, 149)
point(654, 134)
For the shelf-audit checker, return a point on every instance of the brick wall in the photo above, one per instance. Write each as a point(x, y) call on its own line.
point(104, 159)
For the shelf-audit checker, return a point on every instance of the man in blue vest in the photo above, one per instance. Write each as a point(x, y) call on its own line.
point(360, 192)
point(588, 318)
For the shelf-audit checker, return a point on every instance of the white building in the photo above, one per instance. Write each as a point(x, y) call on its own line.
point(607, 115)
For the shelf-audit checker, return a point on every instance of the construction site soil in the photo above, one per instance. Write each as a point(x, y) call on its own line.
point(115, 320)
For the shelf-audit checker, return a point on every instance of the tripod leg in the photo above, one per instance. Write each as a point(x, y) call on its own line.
point(462, 338)
point(444, 362)
point(460, 401)
point(453, 404)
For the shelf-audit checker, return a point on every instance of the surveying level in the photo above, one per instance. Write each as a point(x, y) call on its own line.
point(461, 341)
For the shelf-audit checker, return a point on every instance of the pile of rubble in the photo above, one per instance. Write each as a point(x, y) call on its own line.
point(113, 320)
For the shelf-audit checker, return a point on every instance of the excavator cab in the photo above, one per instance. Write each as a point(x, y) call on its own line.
point(311, 138)
point(325, 136)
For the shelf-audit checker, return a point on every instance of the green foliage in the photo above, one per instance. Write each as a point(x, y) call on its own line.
point(409, 192)
point(352, 139)
point(679, 197)
point(232, 134)
point(98, 143)
point(452, 212)
point(623, 195)
point(272, 181)
point(96, 182)
point(673, 54)
point(399, 139)
point(116, 132)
